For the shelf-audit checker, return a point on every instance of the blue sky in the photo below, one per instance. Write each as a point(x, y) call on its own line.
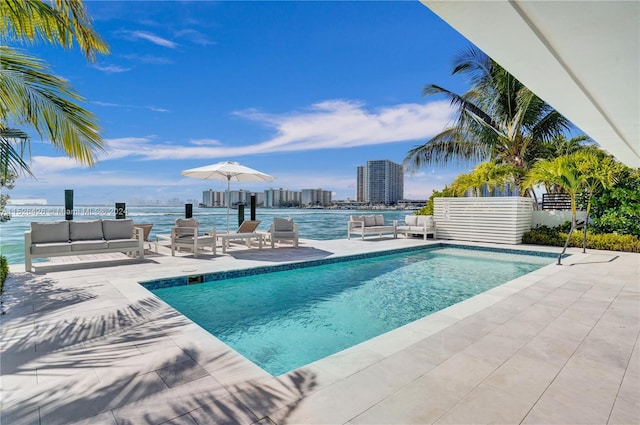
point(304, 91)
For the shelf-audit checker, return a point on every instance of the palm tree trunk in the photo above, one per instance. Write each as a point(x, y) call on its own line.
point(586, 221)
point(573, 226)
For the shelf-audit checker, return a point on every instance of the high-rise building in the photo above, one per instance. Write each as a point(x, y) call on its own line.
point(274, 198)
point(382, 182)
point(213, 198)
point(316, 197)
point(361, 184)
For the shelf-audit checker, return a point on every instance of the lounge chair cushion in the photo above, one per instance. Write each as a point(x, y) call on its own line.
point(411, 220)
point(44, 232)
point(282, 224)
point(85, 230)
point(369, 221)
point(248, 226)
point(117, 229)
point(379, 220)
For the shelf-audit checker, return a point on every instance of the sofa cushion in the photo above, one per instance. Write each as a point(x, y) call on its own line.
point(123, 243)
point(358, 218)
point(425, 219)
point(88, 245)
point(85, 230)
point(50, 248)
point(48, 232)
point(369, 221)
point(117, 229)
point(411, 220)
point(283, 224)
point(379, 220)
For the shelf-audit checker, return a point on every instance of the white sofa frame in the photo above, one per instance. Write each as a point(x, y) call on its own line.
point(418, 229)
point(29, 255)
point(358, 227)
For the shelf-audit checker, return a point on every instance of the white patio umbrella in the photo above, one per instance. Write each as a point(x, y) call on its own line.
point(227, 170)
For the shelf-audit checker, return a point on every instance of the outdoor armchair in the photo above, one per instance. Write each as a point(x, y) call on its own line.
point(283, 229)
point(185, 234)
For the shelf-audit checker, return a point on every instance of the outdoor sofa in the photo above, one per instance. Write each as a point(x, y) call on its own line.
point(60, 238)
point(418, 225)
point(370, 225)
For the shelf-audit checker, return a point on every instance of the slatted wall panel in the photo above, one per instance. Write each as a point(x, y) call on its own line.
point(494, 219)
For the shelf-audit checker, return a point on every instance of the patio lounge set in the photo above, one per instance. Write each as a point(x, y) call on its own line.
point(67, 238)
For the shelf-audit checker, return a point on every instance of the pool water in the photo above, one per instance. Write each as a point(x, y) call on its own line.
point(284, 320)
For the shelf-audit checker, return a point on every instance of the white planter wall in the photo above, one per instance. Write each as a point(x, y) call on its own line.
point(553, 218)
point(492, 219)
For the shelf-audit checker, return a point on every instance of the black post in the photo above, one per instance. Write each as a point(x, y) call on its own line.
point(121, 210)
point(253, 207)
point(68, 204)
point(240, 213)
point(188, 210)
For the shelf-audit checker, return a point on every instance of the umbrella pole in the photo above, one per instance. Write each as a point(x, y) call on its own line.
point(228, 200)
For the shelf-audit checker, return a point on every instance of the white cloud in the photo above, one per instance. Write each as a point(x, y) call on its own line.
point(145, 35)
point(195, 37)
point(111, 69)
point(116, 105)
point(48, 164)
point(333, 124)
point(150, 59)
point(156, 109)
point(206, 142)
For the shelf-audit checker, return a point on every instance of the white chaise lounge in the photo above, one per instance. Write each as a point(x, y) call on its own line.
point(418, 225)
point(370, 225)
point(60, 238)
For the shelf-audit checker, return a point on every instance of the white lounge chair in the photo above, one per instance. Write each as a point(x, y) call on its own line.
point(283, 229)
point(185, 234)
point(246, 232)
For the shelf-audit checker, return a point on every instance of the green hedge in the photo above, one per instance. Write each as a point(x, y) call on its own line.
point(605, 241)
point(4, 271)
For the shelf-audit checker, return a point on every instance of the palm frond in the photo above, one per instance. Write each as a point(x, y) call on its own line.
point(445, 148)
point(64, 23)
point(48, 103)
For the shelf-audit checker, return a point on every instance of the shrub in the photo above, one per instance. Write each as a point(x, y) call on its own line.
point(4, 271)
point(606, 241)
point(617, 210)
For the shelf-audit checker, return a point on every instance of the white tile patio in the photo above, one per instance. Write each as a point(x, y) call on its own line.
point(83, 342)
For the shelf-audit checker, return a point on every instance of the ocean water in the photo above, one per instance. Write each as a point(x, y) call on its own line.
point(313, 223)
point(286, 319)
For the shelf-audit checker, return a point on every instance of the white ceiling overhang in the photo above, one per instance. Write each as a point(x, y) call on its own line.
point(581, 57)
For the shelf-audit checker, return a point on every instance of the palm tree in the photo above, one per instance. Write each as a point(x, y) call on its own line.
point(584, 171)
point(598, 171)
point(498, 119)
point(487, 175)
point(29, 95)
point(563, 173)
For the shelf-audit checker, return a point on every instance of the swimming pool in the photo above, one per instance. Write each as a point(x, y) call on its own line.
point(285, 319)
